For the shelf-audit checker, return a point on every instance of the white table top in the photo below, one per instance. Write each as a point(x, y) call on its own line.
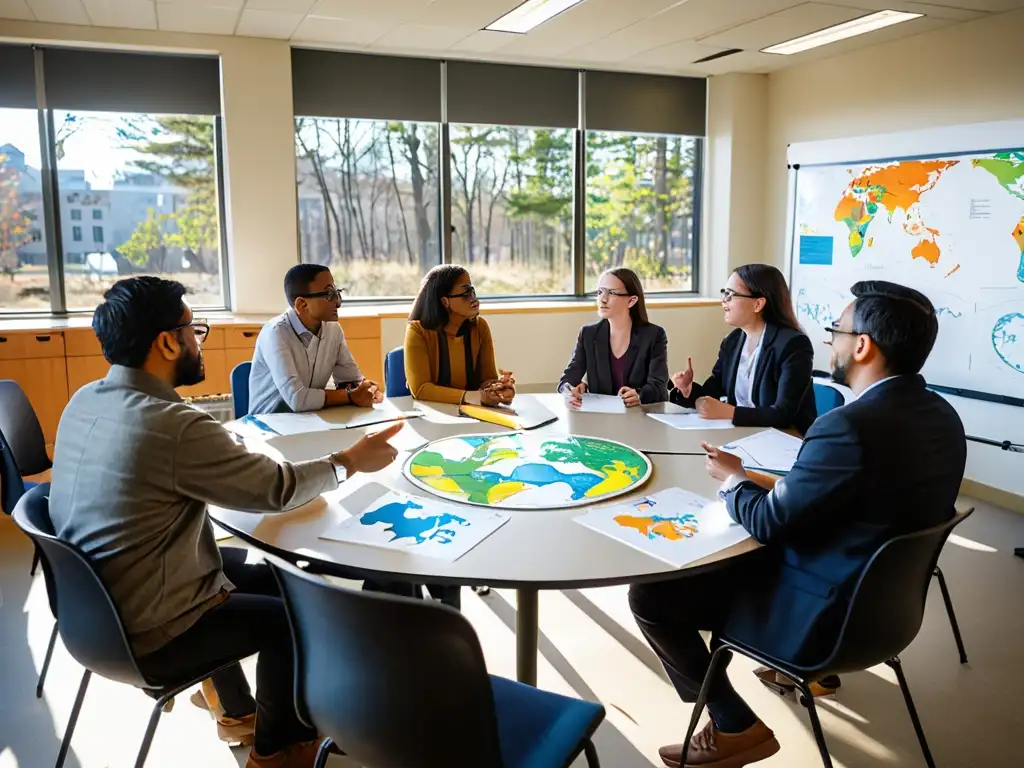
point(541, 548)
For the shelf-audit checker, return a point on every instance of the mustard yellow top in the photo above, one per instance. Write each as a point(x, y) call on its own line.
point(423, 365)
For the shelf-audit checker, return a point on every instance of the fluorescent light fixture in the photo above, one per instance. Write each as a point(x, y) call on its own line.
point(530, 14)
point(860, 26)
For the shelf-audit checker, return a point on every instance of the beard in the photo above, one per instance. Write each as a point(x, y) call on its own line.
point(189, 370)
point(840, 369)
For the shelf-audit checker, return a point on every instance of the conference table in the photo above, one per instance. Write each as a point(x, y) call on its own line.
point(541, 549)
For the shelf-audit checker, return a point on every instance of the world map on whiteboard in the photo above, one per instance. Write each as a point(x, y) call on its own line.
point(523, 470)
point(952, 227)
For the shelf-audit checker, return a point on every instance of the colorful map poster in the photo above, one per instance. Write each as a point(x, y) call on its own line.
point(673, 525)
point(525, 470)
point(417, 526)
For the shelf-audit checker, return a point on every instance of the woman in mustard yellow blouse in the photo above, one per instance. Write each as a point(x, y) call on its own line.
point(449, 355)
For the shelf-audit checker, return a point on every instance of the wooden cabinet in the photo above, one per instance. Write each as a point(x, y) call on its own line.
point(363, 337)
point(36, 361)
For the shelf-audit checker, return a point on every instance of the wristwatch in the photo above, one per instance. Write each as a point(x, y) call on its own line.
point(339, 471)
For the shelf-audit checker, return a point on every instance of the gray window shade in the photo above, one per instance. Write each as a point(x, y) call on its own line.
point(17, 77)
point(499, 94)
point(334, 84)
point(131, 82)
point(616, 101)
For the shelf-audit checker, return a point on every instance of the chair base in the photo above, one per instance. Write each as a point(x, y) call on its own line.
point(951, 613)
point(46, 662)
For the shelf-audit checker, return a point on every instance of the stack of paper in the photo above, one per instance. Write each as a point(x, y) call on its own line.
point(418, 526)
point(770, 451)
point(690, 421)
point(592, 403)
point(343, 417)
point(673, 525)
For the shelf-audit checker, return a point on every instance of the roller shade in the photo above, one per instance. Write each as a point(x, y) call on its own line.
point(500, 94)
point(17, 77)
point(617, 101)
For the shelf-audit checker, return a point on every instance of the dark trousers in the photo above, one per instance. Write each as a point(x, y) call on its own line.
point(251, 621)
point(671, 615)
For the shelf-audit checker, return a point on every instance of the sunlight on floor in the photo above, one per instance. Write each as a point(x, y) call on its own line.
point(977, 546)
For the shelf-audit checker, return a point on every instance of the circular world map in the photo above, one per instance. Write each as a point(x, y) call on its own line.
point(521, 470)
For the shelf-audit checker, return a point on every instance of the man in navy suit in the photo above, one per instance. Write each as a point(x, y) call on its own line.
point(888, 463)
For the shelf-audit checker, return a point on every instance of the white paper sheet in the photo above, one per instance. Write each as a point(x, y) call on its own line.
point(691, 421)
point(600, 404)
point(297, 423)
point(418, 526)
point(673, 525)
point(380, 413)
point(771, 450)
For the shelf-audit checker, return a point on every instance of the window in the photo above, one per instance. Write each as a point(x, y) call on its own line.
point(76, 214)
point(640, 208)
point(76, 234)
point(24, 278)
point(368, 196)
point(116, 162)
point(512, 208)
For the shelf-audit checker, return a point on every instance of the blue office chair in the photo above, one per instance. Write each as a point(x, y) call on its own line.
point(395, 384)
point(240, 388)
point(827, 398)
point(390, 702)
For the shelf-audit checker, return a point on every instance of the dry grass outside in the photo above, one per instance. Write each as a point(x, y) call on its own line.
point(29, 290)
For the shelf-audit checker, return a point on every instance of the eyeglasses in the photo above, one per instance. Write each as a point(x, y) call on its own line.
point(202, 330)
point(609, 292)
point(833, 329)
point(331, 294)
point(469, 293)
point(728, 294)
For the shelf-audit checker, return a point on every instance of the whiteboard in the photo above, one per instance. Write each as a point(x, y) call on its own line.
point(940, 210)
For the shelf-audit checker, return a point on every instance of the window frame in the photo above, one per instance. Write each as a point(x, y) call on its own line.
point(50, 226)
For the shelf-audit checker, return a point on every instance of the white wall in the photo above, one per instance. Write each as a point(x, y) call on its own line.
point(966, 73)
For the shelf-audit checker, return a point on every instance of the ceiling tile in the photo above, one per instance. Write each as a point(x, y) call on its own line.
point(316, 29)
point(394, 11)
point(694, 19)
point(935, 11)
point(268, 24)
point(419, 37)
point(784, 25)
point(59, 11)
point(281, 6)
point(464, 13)
point(186, 17)
point(744, 61)
point(130, 14)
point(15, 9)
point(675, 55)
point(236, 4)
point(483, 41)
point(991, 6)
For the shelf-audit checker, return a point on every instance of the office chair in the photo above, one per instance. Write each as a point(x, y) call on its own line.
point(395, 384)
point(240, 388)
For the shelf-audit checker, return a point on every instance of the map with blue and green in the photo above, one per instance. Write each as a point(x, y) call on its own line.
point(521, 470)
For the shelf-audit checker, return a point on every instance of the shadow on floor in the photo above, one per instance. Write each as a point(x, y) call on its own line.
point(27, 727)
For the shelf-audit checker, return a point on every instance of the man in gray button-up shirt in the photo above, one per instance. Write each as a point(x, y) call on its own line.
point(134, 468)
point(299, 352)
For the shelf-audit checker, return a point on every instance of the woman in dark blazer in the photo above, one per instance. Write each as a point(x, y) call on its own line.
point(764, 367)
point(623, 353)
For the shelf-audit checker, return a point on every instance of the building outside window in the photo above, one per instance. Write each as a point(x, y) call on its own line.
point(76, 214)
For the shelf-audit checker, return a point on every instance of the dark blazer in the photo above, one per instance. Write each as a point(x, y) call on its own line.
point(781, 389)
point(646, 361)
point(886, 464)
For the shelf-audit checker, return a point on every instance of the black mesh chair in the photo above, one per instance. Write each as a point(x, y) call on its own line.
point(23, 446)
point(884, 617)
point(397, 682)
point(89, 622)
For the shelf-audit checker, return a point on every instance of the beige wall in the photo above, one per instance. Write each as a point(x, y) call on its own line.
point(967, 73)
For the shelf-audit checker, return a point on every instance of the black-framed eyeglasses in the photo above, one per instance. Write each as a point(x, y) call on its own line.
point(469, 293)
point(728, 294)
point(609, 292)
point(331, 294)
point(833, 329)
point(201, 329)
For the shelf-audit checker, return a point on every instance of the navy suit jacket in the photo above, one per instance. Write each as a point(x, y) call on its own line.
point(646, 361)
point(886, 464)
point(782, 390)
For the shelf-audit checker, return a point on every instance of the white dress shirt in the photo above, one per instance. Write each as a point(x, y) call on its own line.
point(745, 374)
point(292, 367)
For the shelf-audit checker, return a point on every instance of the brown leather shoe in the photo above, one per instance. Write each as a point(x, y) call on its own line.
point(782, 685)
point(301, 755)
point(710, 748)
point(233, 730)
